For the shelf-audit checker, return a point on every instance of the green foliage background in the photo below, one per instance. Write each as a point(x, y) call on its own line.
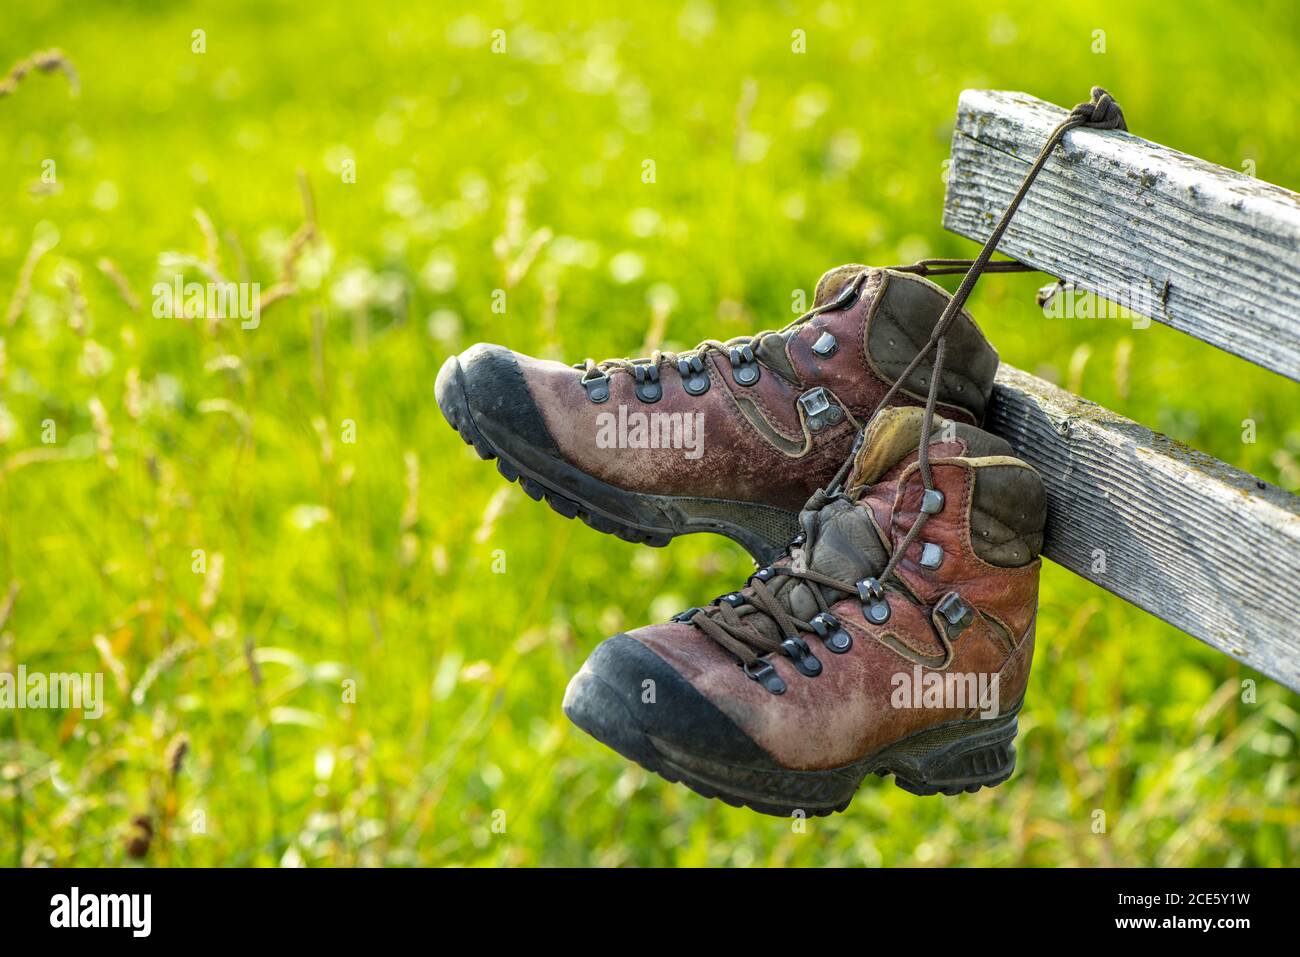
point(372, 562)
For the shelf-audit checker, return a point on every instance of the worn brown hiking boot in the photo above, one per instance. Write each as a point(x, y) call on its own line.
point(730, 437)
point(894, 636)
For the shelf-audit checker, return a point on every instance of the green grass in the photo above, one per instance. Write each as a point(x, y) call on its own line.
point(372, 562)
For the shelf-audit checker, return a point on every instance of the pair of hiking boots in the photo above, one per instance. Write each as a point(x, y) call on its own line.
point(891, 625)
point(890, 628)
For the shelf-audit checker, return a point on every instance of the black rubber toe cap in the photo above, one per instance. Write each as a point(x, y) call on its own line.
point(625, 695)
point(486, 384)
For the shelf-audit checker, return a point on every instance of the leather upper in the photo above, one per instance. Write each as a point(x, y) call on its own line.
point(758, 441)
point(848, 711)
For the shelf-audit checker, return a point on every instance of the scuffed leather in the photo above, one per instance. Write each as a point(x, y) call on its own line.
point(757, 446)
point(846, 714)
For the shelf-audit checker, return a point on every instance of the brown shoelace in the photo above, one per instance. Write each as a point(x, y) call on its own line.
point(924, 267)
point(725, 622)
point(592, 368)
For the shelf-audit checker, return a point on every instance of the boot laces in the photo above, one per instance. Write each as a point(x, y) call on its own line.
point(729, 621)
point(592, 369)
point(922, 267)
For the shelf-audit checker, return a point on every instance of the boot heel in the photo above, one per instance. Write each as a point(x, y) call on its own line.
point(955, 758)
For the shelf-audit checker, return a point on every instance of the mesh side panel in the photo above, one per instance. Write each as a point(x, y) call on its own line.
point(773, 524)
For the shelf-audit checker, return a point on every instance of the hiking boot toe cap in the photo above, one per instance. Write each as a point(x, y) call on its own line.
point(483, 389)
point(630, 699)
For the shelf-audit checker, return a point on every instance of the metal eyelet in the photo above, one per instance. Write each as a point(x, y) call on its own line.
point(648, 389)
point(763, 672)
point(695, 380)
point(825, 346)
point(831, 632)
point(932, 501)
point(686, 615)
point(958, 615)
point(847, 296)
point(744, 367)
point(818, 410)
point(931, 555)
point(735, 599)
point(765, 574)
point(804, 660)
point(875, 606)
point(814, 401)
point(597, 388)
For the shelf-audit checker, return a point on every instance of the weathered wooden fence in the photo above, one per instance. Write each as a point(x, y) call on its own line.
point(1203, 249)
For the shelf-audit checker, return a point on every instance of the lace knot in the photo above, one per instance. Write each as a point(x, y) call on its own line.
point(1101, 112)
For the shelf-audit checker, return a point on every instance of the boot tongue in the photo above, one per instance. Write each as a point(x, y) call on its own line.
point(832, 281)
point(894, 435)
point(841, 543)
point(840, 537)
point(844, 545)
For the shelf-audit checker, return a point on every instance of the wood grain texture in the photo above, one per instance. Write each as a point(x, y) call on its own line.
point(1206, 547)
point(1211, 252)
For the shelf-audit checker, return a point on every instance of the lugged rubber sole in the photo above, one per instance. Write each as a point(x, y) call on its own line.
point(954, 758)
point(642, 518)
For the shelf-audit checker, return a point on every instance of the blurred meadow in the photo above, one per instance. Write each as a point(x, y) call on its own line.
point(329, 634)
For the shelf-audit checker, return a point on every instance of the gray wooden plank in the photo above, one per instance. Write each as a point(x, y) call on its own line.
point(1211, 252)
point(1204, 546)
